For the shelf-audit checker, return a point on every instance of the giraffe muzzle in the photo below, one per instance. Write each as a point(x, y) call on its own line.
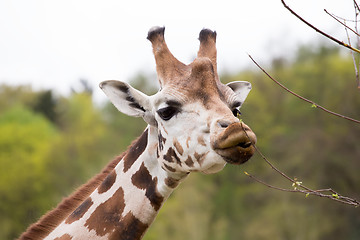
point(235, 143)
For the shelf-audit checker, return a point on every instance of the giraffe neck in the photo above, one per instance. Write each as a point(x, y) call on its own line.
point(127, 201)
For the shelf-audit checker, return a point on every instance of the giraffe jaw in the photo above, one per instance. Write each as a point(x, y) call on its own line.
point(215, 168)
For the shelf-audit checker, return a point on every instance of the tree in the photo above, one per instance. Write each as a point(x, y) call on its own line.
point(25, 142)
point(78, 153)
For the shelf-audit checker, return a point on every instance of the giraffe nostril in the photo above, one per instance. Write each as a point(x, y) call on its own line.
point(223, 124)
point(244, 144)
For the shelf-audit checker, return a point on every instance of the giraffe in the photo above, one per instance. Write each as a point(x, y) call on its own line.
point(192, 127)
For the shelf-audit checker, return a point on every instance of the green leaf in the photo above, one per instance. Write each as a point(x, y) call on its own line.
point(336, 196)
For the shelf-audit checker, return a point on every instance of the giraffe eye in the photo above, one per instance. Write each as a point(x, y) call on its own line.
point(168, 112)
point(236, 112)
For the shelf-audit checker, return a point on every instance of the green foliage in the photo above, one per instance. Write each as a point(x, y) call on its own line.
point(25, 141)
point(50, 145)
point(82, 132)
point(12, 96)
point(45, 104)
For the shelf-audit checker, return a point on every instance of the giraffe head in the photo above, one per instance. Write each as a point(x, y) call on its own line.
point(194, 114)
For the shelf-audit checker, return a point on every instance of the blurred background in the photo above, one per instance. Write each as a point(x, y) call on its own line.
point(57, 129)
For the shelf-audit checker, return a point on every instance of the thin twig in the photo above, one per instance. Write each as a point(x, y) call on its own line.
point(356, 6)
point(315, 105)
point(268, 185)
point(344, 24)
point(344, 19)
point(318, 30)
point(297, 185)
point(353, 57)
point(334, 196)
point(357, 10)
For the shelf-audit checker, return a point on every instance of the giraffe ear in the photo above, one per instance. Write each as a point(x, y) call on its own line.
point(127, 99)
point(241, 90)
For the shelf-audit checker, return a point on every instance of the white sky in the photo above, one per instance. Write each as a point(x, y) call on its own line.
point(51, 44)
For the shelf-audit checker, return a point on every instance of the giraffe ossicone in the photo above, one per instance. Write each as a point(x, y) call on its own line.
point(192, 127)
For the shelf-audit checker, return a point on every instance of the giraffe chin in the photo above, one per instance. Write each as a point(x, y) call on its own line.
point(236, 155)
point(214, 169)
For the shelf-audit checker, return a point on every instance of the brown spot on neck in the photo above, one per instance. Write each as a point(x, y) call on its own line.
point(80, 211)
point(142, 177)
point(171, 182)
point(129, 228)
point(135, 151)
point(107, 183)
point(143, 180)
point(64, 237)
point(171, 155)
point(106, 217)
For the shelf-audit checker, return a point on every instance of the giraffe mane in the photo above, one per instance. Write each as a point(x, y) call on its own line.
point(54, 217)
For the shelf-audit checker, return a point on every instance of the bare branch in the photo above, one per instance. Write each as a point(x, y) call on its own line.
point(315, 105)
point(318, 30)
point(356, 6)
point(353, 57)
point(342, 23)
point(333, 195)
point(357, 10)
point(268, 185)
point(298, 186)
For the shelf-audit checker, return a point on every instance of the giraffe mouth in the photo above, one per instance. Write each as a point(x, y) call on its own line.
point(238, 154)
point(236, 144)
